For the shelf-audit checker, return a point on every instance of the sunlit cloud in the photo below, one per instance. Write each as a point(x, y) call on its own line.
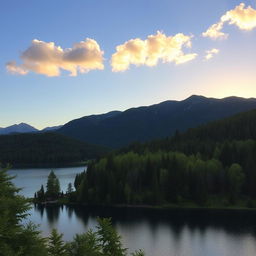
point(149, 52)
point(211, 53)
point(215, 32)
point(14, 69)
point(49, 59)
point(244, 18)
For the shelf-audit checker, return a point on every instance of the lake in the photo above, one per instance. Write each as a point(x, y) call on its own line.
point(158, 232)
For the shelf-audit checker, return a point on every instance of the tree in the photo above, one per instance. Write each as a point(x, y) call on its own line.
point(85, 244)
point(56, 246)
point(53, 186)
point(16, 239)
point(109, 239)
point(40, 194)
point(70, 188)
point(103, 242)
point(236, 179)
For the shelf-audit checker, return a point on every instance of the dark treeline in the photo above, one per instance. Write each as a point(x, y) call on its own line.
point(204, 138)
point(45, 148)
point(214, 164)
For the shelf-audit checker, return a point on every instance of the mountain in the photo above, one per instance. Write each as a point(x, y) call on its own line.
point(117, 129)
point(26, 128)
point(18, 128)
point(45, 148)
point(51, 129)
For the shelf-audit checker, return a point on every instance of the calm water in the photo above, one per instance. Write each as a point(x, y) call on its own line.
point(30, 180)
point(159, 233)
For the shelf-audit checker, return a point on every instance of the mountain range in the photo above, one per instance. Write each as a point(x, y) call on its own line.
point(90, 137)
point(17, 128)
point(120, 128)
point(117, 129)
point(25, 128)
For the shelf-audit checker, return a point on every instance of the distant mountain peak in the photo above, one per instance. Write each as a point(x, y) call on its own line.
point(18, 128)
point(195, 97)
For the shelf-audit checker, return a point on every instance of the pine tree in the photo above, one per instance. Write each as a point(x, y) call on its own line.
point(53, 186)
point(70, 188)
point(16, 239)
point(56, 246)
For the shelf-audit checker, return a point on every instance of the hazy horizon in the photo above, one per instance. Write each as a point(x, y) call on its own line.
point(42, 128)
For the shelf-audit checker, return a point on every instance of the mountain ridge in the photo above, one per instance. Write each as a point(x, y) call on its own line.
point(25, 128)
point(18, 128)
point(154, 121)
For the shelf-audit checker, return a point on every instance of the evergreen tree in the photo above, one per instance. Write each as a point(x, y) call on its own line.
point(110, 240)
point(53, 186)
point(16, 239)
point(40, 194)
point(70, 188)
point(56, 246)
point(235, 179)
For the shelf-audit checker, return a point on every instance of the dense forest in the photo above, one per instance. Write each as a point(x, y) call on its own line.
point(45, 148)
point(17, 239)
point(214, 164)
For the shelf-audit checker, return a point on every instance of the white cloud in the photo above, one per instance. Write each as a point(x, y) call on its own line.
point(49, 59)
point(14, 69)
point(244, 18)
point(215, 32)
point(211, 53)
point(148, 52)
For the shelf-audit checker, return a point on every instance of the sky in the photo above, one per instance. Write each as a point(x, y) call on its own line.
point(62, 60)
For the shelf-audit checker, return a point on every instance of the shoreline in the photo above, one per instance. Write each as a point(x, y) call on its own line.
point(153, 207)
point(49, 165)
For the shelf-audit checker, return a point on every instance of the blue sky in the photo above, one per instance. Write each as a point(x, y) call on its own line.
point(42, 100)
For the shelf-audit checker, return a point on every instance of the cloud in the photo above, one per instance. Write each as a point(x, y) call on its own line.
point(215, 32)
point(49, 59)
point(148, 52)
point(211, 53)
point(14, 69)
point(243, 18)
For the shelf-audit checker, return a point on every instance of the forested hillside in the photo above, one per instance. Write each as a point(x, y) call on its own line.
point(45, 148)
point(118, 129)
point(214, 164)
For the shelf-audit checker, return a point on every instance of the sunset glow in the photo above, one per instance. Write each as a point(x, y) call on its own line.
point(94, 57)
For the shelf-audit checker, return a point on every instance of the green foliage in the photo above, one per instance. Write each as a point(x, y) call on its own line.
point(109, 239)
point(138, 253)
point(84, 244)
point(103, 242)
point(217, 159)
point(196, 166)
point(236, 179)
point(53, 186)
point(45, 148)
point(16, 239)
point(152, 178)
point(56, 246)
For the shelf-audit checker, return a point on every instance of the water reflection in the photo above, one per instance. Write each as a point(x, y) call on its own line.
point(161, 232)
